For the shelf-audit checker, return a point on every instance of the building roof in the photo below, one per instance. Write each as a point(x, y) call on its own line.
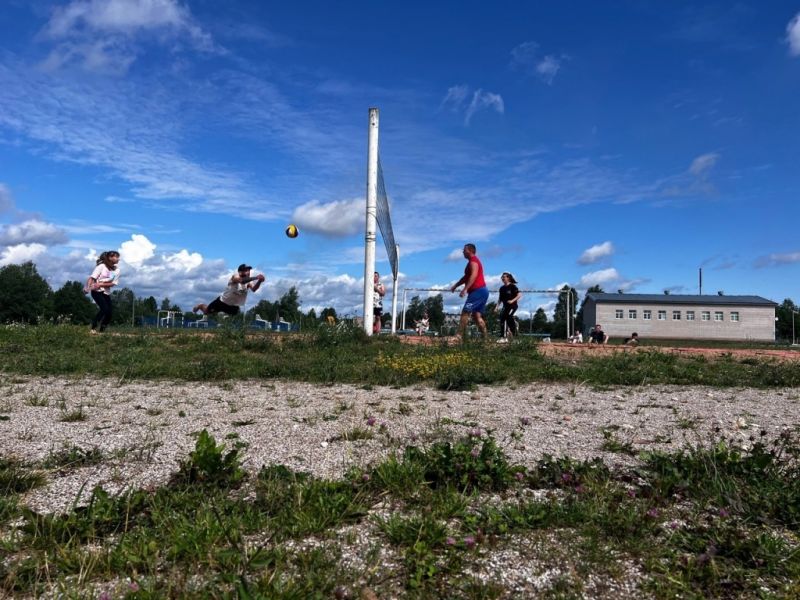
point(712, 300)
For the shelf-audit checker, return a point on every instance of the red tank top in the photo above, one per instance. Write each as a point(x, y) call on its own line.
point(479, 281)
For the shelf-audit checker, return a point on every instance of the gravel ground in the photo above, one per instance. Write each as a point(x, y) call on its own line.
point(146, 428)
point(143, 430)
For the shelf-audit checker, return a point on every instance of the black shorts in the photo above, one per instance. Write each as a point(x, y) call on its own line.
point(377, 311)
point(218, 306)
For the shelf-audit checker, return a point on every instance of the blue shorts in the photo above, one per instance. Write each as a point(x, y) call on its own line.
point(476, 301)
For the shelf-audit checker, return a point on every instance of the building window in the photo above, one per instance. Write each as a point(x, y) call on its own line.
point(632, 313)
point(690, 315)
point(647, 315)
point(618, 313)
point(662, 315)
point(734, 316)
point(705, 315)
point(718, 316)
point(676, 315)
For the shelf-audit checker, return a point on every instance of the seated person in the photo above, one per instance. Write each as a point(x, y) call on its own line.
point(422, 325)
point(633, 340)
point(576, 338)
point(597, 335)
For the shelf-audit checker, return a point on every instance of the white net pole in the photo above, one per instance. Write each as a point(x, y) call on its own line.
point(394, 293)
point(371, 224)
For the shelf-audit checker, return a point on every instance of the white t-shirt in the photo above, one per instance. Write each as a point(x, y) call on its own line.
point(102, 274)
point(235, 294)
point(377, 299)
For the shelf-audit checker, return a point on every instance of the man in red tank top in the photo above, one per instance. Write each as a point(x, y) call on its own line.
point(475, 290)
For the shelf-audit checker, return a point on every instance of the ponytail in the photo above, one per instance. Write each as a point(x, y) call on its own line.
point(105, 259)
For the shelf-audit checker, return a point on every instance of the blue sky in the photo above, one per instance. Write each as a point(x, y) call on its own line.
point(622, 143)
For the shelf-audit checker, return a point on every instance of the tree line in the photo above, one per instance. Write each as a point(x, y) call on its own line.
point(26, 297)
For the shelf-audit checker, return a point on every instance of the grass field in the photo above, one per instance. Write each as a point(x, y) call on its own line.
point(436, 518)
point(347, 356)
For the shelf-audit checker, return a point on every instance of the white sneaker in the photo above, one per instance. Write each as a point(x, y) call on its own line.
point(502, 341)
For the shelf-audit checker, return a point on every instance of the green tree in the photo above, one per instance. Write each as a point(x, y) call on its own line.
point(147, 307)
point(327, 312)
point(435, 307)
point(24, 294)
point(414, 311)
point(786, 312)
point(265, 309)
point(70, 304)
point(541, 324)
point(289, 305)
point(122, 306)
point(579, 324)
point(562, 310)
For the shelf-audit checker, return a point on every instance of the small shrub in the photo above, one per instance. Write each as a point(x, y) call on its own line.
point(209, 464)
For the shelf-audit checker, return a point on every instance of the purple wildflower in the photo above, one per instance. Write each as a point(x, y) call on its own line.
point(475, 432)
point(566, 477)
point(450, 541)
point(365, 477)
point(524, 420)
point(724, 513)
point(579, 489)
point(134, 587)
point(371, 421)
point(631, 493)
point(469, 541)
point(104, 596)
point(652, 513)
point(519, 475)
point(475, 452)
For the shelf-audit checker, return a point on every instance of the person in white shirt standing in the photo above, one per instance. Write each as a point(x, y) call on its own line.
point(104, 276)
point(234, 297)
point(379, 291)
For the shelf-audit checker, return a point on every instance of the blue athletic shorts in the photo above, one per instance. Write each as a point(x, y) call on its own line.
point(476, 301)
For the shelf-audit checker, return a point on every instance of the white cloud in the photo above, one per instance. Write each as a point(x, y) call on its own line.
point(456, 254)
point(599, 277)
point(548, 68)
point(99, 33)
point(526, 58)
point(456, 99)
point(703, 164)
point(776, 260)
point(595, 253)
point(335, 219)
point(137, 250)
point(483, 100)
point(20, 253)
point(793, 35)
point(31, 231)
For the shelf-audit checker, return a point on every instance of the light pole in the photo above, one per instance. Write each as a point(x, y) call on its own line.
point(794, 339)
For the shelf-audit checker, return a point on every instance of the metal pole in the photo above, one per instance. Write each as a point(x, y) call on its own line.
point(372, 203)
point(133, 309)
point(394, 293)
point(404, 309)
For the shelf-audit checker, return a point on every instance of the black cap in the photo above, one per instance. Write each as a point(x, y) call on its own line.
point(244, 267)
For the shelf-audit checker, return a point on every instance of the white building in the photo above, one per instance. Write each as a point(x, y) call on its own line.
point(682, 316)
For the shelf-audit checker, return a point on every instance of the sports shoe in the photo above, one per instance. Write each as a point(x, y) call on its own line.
point(502, 341)
point(93, 332)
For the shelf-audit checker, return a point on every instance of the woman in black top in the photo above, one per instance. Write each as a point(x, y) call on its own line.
point(509, 298)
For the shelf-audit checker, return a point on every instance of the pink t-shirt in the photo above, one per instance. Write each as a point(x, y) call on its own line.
point(102, 274)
